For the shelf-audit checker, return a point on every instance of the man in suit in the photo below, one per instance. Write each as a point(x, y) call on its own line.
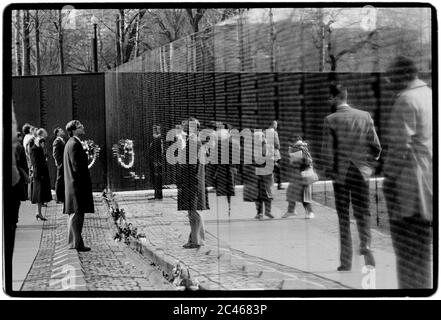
point(77, 184)
point(272, 132)
point(57, 153)
point(408, 171)
point(156, 155)
point(350, 145)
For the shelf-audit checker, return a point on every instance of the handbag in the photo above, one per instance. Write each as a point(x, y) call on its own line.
point(309, 176)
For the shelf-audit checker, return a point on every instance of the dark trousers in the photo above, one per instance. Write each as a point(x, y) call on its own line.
point(157, 180)
point(10, 226)
point(75, 223)
point(411, 239)
point(59, 185)
point(260, 204)
point(356, 190)
point(277, 174)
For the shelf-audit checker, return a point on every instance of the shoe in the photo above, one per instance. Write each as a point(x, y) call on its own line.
point(269, 215)
point(309, 215)
point(289, 214)
point(37, 216)
point(258, 216)
point(344, 268)
point(368, 257)
point(191, 246)
point(83, 249)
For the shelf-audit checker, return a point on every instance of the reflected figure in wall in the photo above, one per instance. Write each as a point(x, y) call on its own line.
point(57, 153)
point(257, 186)
point(297, 192)
point(156, 156)
point(277, 157)
point(408, 171)
point(224, 173)
point(190, 180)
point(350, 147)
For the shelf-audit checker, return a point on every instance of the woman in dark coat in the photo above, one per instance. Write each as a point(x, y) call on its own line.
point(258, 187)
point(192, 194)
point(224, 173)
point(41, 189)
point(296, 190)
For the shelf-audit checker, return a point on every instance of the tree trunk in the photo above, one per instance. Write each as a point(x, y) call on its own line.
point(37, 44)
point(273, 39)
point(122, 35)
point(117, 42)
point(18, 68)
point(60, 42)
point(26, 44)
point(322, 42)
point(138, 22)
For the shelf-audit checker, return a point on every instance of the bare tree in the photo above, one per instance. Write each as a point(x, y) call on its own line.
point(195, 16)
point(26, 43)
point(18, 66)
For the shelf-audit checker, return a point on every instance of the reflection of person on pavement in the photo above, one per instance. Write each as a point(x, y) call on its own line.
point(257, 187)
point(350, 145)
point(192, 194)
point(408, 171)
point(296, 190)
point(156, 156)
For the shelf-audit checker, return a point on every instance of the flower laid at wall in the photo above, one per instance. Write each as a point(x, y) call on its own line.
point(124, 153)
point(92, 151)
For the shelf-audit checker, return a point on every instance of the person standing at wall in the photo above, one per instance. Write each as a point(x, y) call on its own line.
point(297, 191)
point(41, 188)
point(258, 185)
point(192, 194)
point(57, 153)
point(77, 185)
point(350, 146)
point(277, 157)
point(408, 171)
point(156, 156)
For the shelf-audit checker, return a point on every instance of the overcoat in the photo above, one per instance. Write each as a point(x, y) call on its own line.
point(408, 164)
point(41, 188)
point(77, 183)
point(57, 152)
point(190, 178)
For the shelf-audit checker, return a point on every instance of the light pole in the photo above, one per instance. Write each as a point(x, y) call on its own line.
point(95, 21)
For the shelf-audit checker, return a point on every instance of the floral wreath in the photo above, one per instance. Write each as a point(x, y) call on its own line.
point(123, 151)
point(92, 151)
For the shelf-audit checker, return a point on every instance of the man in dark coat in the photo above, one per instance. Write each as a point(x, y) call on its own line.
point(350, 147)
point(57, 153)
point(77, 184)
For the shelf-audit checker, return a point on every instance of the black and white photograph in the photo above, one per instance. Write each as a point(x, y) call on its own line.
point(220, 149)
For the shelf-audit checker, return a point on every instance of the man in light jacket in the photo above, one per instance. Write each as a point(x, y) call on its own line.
point(408, 171)
point(350, 146)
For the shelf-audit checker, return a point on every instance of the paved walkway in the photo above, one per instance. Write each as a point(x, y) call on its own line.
point(241, 253)
point(43, 263)
point(244, 253)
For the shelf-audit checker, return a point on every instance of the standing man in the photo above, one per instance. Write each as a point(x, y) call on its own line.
point(350, 145)
point(156, 156)
point(77, 184)
point(408, 171)
point(57, 153)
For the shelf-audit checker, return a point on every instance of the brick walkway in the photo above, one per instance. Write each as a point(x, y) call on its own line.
point(216, 266)
point(106, 267)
